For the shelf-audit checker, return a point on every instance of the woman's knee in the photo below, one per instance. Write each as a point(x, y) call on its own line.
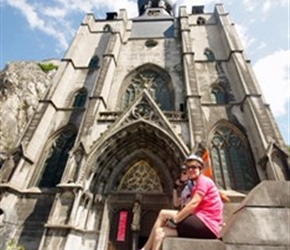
point(163, 212)
point(166, 213)
point(159, 233)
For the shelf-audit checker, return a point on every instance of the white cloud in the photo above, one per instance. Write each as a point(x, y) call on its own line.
point(249, 5)
point(32, 14)
point(272, 73)
point(267, 6)
point(54, 12)
point(56, 21)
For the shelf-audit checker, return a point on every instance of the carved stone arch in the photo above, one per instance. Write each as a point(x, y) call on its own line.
point(232, 159)
point(138, 141)
point(131, 165)
point(61, 141)
point(153, 78)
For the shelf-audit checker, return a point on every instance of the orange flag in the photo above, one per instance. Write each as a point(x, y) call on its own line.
point(208, 170)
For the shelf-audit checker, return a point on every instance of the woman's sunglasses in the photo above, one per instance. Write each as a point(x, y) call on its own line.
point(193, 167)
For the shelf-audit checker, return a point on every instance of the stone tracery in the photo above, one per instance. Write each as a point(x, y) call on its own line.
point(141, 177)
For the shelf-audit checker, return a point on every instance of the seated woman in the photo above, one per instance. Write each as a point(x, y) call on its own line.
point(181, 189)
point(200, 218)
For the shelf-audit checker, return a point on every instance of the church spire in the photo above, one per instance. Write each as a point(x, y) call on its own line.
point(145, 4)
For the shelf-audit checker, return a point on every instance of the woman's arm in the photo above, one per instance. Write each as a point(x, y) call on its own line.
point(189, 208)
point(176, 199)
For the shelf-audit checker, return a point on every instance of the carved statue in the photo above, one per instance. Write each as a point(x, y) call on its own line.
point(135, 226)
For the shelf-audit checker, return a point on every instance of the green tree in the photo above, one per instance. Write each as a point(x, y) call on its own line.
point(46, 67)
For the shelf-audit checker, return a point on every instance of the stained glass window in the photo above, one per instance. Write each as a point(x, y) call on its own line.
point(232, 162)
point(157, 86)
point(56, 160)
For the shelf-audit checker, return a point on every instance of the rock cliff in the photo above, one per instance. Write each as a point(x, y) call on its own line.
point(22, 85)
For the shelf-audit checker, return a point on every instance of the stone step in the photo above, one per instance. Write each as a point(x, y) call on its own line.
point(171, 243)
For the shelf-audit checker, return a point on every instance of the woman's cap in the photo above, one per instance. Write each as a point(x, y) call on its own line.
point(194, 157)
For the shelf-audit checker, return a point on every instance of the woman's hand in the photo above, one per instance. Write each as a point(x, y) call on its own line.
point(171, 223)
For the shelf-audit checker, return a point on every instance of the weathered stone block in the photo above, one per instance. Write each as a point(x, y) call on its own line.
point(259, 226)
point(255, 247)
point(262, 217)
point(269, 194)
point(184, 243)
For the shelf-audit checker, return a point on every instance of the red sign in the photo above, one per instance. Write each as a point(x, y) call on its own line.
point(122, 226)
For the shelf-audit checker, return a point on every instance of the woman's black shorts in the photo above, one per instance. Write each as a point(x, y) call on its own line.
point(193, 227)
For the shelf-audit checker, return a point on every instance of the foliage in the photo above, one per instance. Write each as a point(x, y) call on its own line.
point(12, 245)
point(46, 67)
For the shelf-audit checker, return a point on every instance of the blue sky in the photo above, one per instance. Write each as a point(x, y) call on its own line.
point(39, 30)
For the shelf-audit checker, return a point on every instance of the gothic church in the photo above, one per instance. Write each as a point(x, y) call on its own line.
point(132, 98)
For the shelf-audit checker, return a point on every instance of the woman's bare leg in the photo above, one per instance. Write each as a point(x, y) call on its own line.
point(163, 215)
point(161, 233)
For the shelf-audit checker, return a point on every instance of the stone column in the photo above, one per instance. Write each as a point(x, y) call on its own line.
point(105, 230)
point(193, 102)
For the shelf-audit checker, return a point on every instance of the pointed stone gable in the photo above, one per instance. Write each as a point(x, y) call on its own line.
point(144, 109)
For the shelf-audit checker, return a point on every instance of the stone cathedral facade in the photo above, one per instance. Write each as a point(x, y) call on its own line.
point(132, 98)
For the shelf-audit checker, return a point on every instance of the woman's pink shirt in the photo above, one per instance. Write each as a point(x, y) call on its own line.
point(210, 209)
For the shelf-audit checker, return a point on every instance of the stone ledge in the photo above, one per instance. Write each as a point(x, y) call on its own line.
point(256, 247)
point(171, 243)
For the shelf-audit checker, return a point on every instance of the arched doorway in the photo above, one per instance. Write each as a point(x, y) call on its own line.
point(135, 163)
point(134, 206)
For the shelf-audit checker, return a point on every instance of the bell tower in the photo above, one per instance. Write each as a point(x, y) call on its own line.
point(167, 5)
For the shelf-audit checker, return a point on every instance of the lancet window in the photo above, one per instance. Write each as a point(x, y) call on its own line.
point(233, 165)
point(80, 99)
point(56, 159)
point(94, 62)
